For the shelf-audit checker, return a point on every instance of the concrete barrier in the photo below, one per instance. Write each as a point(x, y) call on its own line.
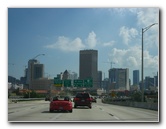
point(145, 105)
point(15, 100)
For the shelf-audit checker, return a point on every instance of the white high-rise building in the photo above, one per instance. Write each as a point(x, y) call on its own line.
point(119, 78)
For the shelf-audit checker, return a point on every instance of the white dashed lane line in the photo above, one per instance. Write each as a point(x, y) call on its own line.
point(108, 113)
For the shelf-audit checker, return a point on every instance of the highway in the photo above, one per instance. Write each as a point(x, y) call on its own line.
point(38, 111)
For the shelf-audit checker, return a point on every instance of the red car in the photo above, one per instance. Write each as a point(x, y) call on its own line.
point(61, 105)
point(83, 99)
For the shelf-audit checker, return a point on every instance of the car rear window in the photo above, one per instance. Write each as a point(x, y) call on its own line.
point(82, 95)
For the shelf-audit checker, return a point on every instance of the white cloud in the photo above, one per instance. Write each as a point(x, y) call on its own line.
point(131, 58)
point(150, 61)
point(120, 11)
point(91, 40)
point(127, 34)
point(124, 11)
point(147, 16)
point(131, 61)
point(109, 44)
point(65, 44)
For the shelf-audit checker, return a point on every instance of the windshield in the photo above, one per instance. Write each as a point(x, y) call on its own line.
point(82, 95)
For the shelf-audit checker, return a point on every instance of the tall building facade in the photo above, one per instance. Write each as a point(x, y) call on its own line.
point(30, 70)
point(156, 80)
point(119, 79)
point(35, 71)
point(65, 75)
point(73, 75)
point(100, 79)
point(149, 82)
point(88, 65)
point(135, 77)
point(38, 71)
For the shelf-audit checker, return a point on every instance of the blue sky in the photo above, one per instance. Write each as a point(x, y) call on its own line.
point(60, 33)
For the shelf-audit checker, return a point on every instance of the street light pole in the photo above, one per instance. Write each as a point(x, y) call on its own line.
point(142, 76)
point(142, 69)
point(38, 55)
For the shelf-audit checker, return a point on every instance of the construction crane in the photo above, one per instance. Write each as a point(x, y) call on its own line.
point(111, 63)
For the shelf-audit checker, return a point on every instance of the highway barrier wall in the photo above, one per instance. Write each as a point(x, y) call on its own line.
point(15, 100)
point(145, 105)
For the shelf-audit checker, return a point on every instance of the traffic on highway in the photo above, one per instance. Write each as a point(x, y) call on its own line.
point(105, 69)
point(55, 111)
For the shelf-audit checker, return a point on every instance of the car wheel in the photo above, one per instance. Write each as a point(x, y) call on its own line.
point(90, 107)
point(51, 110)
point(71, 111)
point(75, 106)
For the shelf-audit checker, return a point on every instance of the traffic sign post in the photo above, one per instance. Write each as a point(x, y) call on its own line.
point(78, 83)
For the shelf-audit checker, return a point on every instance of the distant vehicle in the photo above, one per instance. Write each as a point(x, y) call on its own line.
point(82, 99)
point(47, 98)
point(94, 99)
point(61, 105)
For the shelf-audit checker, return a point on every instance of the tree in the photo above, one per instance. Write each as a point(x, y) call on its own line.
point(136, 96)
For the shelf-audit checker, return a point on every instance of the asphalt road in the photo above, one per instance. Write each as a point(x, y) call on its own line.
point(38, 111)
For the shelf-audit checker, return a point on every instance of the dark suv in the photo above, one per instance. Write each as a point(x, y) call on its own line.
point(83, 99)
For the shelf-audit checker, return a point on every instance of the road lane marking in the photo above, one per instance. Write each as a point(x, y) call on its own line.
point(101, 109)
point(109, 113)
point(10, 112)
point(116, 117)
point(113, 116)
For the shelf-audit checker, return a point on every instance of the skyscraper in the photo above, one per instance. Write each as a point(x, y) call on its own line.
point(135, 77)
point(38, 71)
point(100, 79)
point(88, 65)
point(119, 78)
point(65, 75)
point(35, 71)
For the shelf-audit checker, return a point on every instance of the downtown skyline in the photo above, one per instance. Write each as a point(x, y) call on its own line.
point(60, 33)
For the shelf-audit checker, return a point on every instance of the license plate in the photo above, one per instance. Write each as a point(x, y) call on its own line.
point(83, 100)
point(60, 108)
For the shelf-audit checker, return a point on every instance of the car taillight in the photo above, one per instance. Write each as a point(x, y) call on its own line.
point(76, 99)
point(53, 103)
point(89, 99)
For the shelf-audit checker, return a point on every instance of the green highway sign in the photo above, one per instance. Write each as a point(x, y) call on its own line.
point(57, 82)
point(67, 83)
point(88, 83)
point(78, 83)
